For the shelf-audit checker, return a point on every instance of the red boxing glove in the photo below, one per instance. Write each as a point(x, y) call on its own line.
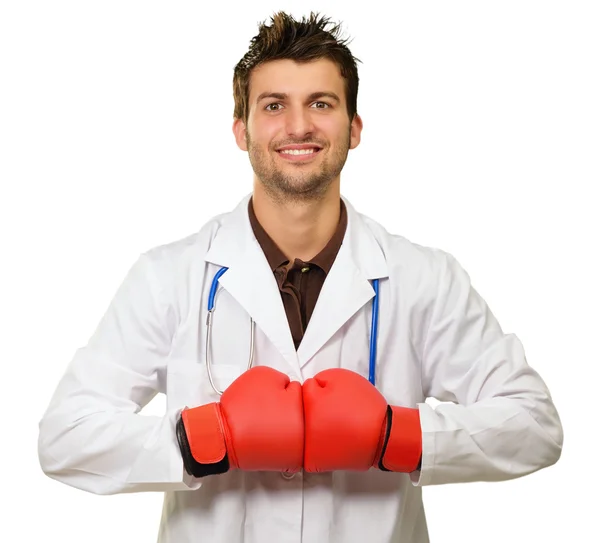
point(349, 425)
point(257, 425)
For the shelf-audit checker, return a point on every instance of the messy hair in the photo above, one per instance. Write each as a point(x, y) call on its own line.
point(301, 41)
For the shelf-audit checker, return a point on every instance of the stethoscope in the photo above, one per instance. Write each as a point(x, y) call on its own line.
point(212, 305)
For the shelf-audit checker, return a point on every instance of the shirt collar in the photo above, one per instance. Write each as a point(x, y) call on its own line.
point(274, 254)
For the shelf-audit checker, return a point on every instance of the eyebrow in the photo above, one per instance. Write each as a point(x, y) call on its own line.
point(311, 97)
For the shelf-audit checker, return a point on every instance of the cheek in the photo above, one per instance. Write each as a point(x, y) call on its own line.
point(262, 136)
point(335, 129)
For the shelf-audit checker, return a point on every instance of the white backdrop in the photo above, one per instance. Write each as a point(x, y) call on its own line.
point(481, 137)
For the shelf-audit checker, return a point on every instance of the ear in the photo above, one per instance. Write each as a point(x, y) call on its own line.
point(356, 127)
point(239, 131)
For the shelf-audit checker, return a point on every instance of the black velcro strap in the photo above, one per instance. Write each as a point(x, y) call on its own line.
point(192, 467)
point(388, 429)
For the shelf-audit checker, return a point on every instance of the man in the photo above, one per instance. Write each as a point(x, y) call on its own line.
point(327, 437)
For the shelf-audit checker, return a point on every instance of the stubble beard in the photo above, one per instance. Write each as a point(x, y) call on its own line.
point(301, 186)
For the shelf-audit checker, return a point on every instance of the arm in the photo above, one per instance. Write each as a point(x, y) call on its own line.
point(92, 436)
point(502, 423)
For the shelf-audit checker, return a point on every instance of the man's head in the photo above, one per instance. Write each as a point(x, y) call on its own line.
point(297, 86)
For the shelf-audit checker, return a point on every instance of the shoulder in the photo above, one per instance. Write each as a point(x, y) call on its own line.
point(185, 251)
point(407, 257)
point(172, 270)
point(425, 275)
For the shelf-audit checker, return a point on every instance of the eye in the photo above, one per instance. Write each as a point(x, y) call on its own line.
point(268, 107)
point(322, 104)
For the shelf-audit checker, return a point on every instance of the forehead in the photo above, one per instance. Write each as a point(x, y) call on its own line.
point(296, 78)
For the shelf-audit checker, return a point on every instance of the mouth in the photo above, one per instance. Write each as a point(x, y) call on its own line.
point(299, 155)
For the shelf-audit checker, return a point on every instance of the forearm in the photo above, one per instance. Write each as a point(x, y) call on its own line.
point(109, 452)
point(494, 439)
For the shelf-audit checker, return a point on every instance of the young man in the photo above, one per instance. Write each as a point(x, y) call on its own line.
point(328, 436)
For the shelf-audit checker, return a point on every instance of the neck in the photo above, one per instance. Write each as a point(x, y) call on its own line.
point(301, 229)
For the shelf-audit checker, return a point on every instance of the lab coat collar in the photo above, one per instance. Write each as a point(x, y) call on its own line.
point(251, 282)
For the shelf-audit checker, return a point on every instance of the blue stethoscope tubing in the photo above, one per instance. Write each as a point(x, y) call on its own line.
point(374, 328)
point(374, 325)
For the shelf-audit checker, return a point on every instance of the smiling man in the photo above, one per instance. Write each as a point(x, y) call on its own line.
point(297, 125)
point(327, 437)
point(297, 138)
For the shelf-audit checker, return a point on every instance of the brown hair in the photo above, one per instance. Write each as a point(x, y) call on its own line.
point(301, 41)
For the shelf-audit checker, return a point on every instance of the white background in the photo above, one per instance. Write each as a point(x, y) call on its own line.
point(481, 137)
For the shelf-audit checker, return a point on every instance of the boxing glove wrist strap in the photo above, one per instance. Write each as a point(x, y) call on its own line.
point(402, 445)
point(201, 436)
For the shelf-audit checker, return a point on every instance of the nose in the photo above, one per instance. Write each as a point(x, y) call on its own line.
point(299, 122)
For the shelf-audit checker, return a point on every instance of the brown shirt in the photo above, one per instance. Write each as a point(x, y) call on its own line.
point(301, 284)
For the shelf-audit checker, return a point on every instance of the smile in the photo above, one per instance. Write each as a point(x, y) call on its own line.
point(296, 155)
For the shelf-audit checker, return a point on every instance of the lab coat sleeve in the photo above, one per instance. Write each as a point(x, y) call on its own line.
point(499, 421)
point(93, 436)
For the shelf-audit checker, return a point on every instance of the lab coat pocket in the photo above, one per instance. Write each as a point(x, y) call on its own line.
point(189, 385)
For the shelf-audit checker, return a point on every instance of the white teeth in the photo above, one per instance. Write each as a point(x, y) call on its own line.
point(298, 151)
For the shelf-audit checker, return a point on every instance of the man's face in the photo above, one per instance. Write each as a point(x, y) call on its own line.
point(291, 106)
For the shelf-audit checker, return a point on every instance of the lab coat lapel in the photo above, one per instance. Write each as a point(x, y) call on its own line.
point(251, 282)
point(347, 287)
point(250, 279)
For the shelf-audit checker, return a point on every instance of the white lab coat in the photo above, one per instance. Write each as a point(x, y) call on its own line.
point(437, 338)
